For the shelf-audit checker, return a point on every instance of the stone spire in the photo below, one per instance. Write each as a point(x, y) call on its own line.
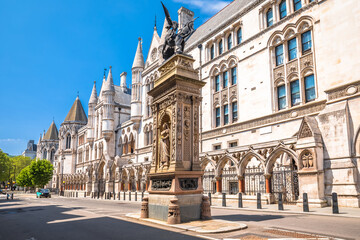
point(102, 87)
point(123, 81)
point(109, 84)
point(76, 113)
point(40, 138)
point(163, 33)
point(139, 58)
point(52, 132)
point(93, 97)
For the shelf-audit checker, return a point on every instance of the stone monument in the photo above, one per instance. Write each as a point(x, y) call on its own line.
point(175, 190)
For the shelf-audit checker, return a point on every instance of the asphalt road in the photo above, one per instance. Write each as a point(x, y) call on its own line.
point(29, 218)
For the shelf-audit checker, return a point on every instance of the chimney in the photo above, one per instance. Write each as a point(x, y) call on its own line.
point(123, 80)
point(184, 16)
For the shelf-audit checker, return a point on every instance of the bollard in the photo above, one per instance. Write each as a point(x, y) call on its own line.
point(98, 193)
point(210, 198)
point(280, 203)
point(114, 196)
point(135, 196)
point(305, 203)
point(224, 199)
point(124, 196)
point(335, 205)
point(142, 195)
point(12, 196)
point(119, 195)
point(129, 196)
point(258, 200)
point(240, 202)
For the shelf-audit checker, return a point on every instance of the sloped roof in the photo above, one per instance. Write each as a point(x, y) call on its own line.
point(52, 132)
point(215, 22)
point(76, 113)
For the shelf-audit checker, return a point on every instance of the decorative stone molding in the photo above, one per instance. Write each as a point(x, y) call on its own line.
point(306, 61)
point(279, 72)
point(269, 119)
point(343, 91)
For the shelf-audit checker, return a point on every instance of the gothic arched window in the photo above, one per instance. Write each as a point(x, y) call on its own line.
point(45, 154)
point(68, 141)
point(269, 17)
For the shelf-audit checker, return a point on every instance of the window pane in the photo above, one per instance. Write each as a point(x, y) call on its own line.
point(220, 47)
point(229, 42)
point(279, 53)
point(217, 117)
point(309, 88)
point(297, 5)
point(212, 52)
point(306, 41)
point(234, 111)
point(239, 36)
point(295, 93)
point(281, 97)
point(217, 83)
point(226, 114)
point(233, 76)
point(225, 79)
point(269, 17)
point(292, 49)
point(282, 7)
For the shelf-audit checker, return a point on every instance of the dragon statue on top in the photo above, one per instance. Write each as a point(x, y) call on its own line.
point(175, 40)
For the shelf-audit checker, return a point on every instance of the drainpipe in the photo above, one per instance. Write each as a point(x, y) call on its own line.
point(201, 114)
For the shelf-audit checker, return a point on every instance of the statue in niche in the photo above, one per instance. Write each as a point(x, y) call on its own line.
point(165, 145)
point(175, 40)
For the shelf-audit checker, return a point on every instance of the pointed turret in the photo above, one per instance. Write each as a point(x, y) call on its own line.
point(139, 58)
point(40, 138)
point(137, 70)
point(76, 113)
point(91, 113)
point(108, 104)
point(109, 84)
point(102, 87)
point(123, 81)
point(52, 132)
point(93, 97)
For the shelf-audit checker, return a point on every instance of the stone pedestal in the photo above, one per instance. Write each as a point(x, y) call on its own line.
point(175, 191)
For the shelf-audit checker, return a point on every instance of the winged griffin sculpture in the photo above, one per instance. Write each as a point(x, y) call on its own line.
point(175, 40)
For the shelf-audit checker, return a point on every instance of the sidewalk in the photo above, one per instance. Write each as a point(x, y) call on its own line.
point(293, 209)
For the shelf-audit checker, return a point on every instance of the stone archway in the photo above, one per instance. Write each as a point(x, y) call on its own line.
point(282, 172)
point(208, 167)
point(226, 173)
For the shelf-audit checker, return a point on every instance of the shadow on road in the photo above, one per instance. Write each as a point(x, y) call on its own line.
point(248, 218)
point(55, 222)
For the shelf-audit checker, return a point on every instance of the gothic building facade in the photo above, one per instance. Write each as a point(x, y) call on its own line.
point(279, 111)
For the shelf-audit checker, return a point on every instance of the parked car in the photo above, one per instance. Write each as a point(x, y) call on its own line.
point(43, 193)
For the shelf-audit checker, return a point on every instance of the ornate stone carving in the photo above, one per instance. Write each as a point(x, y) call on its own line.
point(174, 212)
point(188, 183)
point(279, 72)
point(305, 131)
point(307, 159)
point(306, 61)
point(161, 184)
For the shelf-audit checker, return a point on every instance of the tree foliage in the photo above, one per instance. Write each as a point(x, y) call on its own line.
point(5, 166)
point(41, 172)
point(18, 163)
point(24, 178)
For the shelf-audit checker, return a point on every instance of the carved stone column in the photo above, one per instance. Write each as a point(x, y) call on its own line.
point(241, 180)
point(218, 185)
point(268, 183)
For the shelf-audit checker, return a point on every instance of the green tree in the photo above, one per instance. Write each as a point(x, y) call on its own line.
point(5, 166)
point(18, 163)
point(24, 178)
point(41, 172)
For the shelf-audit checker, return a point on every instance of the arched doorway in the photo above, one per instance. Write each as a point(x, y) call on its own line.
point(209, 183)
point(284, 178)
point(254, 177)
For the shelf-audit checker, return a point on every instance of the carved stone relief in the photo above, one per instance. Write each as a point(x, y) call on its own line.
point(307, 159)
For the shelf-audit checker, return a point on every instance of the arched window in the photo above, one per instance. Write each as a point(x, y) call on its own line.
point(95, 152)
point(269, 17)
point(281, 95)
point(52, 155)
point(212, 52)
point(87, 154)
point(221, 47)
point(282, 7)
point(309, 83)
point(295, 92)
point(68, 141)
point(239, 36)
point(45, 154)
point(229, 41)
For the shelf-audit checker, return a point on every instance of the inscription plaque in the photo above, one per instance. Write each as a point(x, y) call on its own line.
point(188, 183)
point(161, 184)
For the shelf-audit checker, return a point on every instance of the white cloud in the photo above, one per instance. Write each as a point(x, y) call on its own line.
point(206, 6)
point(11, 140)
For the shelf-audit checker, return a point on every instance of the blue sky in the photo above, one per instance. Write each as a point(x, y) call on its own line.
point(51, 49)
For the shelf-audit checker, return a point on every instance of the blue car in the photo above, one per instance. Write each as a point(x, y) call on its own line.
point(43, 193)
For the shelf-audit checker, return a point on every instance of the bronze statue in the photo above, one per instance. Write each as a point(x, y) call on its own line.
point(175, 40)
point(165, 145)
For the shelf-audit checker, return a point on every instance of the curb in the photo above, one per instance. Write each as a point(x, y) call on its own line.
point(239, 226)
point(287, 212)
